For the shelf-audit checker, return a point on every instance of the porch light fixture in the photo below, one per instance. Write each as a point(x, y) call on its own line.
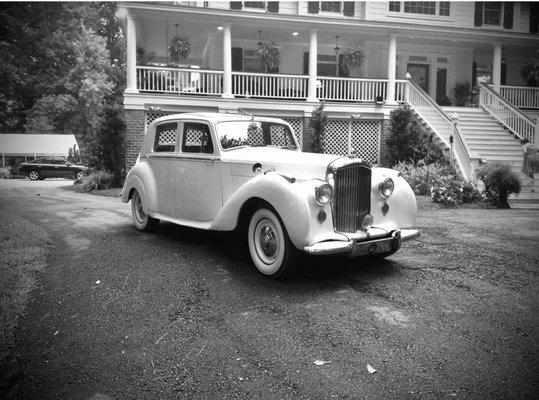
point(337, 48)
point(295, 34)
point(259, 38)
point(220, 28)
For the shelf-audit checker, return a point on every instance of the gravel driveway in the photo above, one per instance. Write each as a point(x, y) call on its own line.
point(119, 314)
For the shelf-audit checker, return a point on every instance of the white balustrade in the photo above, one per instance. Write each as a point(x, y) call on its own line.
point(521, 96)
point(179, 80)
point(510, 116)
point(351, 89)
point(279, 86)
point(442, 125)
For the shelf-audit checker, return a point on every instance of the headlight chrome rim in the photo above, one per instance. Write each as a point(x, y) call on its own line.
point(323, 193)
point(386, 188)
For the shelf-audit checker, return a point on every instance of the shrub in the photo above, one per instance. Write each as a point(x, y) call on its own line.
point(441, 181)
point(500, 181)
point(408, 141)
point(97, 180)
point(5, 173)
point(318, 122)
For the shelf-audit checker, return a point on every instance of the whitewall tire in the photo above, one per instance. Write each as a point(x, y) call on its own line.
point(272, 252)
point(143, 222)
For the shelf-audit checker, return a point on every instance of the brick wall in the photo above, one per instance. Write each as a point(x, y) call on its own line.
point(384, 157)
point(134, 133)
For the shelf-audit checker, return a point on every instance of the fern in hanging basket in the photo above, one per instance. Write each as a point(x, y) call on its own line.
point(179, 48)
point(268, 53)
point(353, 58)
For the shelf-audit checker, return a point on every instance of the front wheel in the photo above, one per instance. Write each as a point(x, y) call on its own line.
point(33, 175)
point(143, 222)
point(272, 252)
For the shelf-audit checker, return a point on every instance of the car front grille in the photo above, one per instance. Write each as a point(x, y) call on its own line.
point(352, 197)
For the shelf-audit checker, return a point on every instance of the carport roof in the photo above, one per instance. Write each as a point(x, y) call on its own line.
point(17, 144)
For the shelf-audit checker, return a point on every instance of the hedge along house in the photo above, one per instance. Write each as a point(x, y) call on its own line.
point(438, 46)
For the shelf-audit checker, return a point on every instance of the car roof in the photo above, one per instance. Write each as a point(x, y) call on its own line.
point(214, 117)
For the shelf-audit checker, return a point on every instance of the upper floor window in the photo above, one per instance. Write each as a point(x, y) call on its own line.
point(494, 13)
point(347, 8)
point(422, 7)
point(330, 6)
point(268, 6)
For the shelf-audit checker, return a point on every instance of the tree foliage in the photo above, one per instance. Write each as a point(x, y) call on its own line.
point(318, 123)
point(62, 67)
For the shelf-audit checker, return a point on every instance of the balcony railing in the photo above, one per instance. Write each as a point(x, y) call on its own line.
point(521, 96)
point(272, 86)
point(179, 80)
point(509, 115)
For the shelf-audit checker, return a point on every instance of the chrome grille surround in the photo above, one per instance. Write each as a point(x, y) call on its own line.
point(352, 196)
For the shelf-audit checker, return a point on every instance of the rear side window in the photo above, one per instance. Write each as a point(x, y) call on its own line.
point(165, 137)
point(196, 138)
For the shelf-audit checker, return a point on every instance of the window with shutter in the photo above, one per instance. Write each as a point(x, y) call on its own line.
point(236, 5)
point(478, 17)
point(534, 17)
point(313, 7)
point(348, 8)
point(508, 11)
point(273, 6)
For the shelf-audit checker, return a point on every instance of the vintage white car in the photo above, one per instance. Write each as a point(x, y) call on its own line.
point(226, 172)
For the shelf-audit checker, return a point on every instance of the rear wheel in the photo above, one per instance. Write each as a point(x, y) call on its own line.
point(143, 222)
point(34, 175)
point(272, 252)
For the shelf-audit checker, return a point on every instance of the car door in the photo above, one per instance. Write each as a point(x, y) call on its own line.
point(162, 160)
point(48, 168)
point(198, 190)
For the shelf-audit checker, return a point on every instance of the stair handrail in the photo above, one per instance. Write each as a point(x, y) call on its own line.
point(443, 126)
point(509, 115)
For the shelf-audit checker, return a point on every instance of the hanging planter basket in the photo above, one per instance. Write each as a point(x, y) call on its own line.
point(269, 55)
point(353, 58)
point(179, 48)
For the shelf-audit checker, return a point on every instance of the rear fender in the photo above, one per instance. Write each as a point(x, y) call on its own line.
point(141, 178)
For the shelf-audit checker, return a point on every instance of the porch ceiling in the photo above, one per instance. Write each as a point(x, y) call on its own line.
point(200, 22)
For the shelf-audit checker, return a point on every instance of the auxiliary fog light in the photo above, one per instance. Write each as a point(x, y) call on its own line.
point(368, 220)
point(323, 193)
point(386, 188)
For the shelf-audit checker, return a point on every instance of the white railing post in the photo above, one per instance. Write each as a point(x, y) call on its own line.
point(454, 121)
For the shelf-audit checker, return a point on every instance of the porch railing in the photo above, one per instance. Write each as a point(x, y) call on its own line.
point(521, 96)
point(179, 80)
point(442, 125)
point(508, 114)
point(269, 85)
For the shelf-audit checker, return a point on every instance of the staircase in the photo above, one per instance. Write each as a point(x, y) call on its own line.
point(494, 143)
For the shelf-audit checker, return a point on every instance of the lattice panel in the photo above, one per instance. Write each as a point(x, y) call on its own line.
point(167, 137)
point(277, 134)
point(297, 128)
point(365, 139)
point(336, 137)
point(193, 137)
point(153, 115)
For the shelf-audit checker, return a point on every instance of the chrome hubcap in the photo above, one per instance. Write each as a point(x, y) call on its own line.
point(138, 209)
point(268, 241)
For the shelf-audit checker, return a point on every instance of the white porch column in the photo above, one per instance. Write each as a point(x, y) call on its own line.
point(131, 55)
point(391, 65)
point(313, 60)
point(497, 66)
point(227, 62)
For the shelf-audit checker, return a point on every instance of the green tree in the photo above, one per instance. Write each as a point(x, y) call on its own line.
point(318, 124)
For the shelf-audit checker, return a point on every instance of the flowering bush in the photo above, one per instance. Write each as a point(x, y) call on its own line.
point(442, 182)
point(500, 181)
point(97, 180)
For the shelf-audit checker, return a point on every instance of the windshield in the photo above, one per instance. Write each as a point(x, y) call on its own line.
point(234, 134)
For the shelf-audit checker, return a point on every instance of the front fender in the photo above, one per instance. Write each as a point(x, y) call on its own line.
point(141, 178)
point(291, 199)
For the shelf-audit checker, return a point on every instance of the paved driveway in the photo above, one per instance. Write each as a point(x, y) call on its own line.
point(120, 314)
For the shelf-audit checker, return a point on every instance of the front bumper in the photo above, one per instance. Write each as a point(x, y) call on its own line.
point(355, 248)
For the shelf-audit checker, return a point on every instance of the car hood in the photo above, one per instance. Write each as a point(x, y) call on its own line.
point(292, 163)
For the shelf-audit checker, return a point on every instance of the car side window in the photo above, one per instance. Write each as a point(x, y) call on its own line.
point(196, 138)
point(165, 137)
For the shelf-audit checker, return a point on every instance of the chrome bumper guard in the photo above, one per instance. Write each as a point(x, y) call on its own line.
point(355, 248)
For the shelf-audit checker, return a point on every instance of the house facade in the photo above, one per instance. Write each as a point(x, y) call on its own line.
point(420, 53)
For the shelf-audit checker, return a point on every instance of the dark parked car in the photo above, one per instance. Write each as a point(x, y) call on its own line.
point(51, 167)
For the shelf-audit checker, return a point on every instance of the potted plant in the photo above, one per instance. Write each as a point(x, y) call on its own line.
point(179, 48)
point(352, 59)
point(462, 92)
point(530, 73)
point(269, 55)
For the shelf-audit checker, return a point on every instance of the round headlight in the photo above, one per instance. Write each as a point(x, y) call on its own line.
point(323, 193)
point(386, 188)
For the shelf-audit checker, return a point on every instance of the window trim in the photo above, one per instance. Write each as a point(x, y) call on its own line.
point(436, 15)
